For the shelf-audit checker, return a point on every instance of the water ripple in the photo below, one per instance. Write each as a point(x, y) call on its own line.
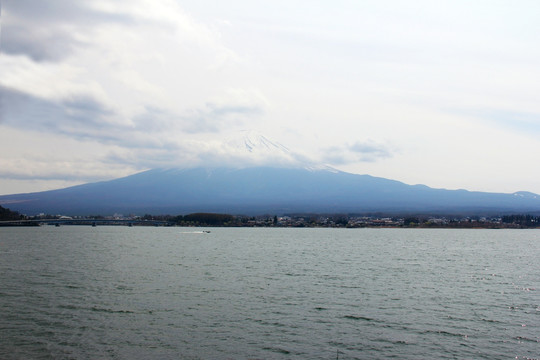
point(137, 293)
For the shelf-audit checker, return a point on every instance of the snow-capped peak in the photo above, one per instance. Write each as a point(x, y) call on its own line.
point(256, 143)
point(251, 148)
point(526, 194)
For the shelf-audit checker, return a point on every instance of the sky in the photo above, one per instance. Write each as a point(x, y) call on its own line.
point(441, 93)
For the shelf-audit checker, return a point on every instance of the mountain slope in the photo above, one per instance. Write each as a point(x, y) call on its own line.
point(257, 190)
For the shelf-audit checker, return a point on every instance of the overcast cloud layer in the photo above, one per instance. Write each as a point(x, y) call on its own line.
point(444, 93)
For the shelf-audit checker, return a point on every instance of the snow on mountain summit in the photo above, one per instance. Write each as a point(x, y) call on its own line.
point(254, 142)
point(526, 194)
point(245, 149)
point(253, 148)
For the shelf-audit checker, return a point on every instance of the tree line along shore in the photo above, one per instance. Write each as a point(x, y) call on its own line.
point(512, 221)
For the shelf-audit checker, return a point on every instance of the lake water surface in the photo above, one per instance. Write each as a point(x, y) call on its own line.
point(76, 292)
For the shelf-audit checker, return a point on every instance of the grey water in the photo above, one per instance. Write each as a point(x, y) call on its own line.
point(76, 292)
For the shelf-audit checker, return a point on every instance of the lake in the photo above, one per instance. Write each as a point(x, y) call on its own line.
point(77, 292)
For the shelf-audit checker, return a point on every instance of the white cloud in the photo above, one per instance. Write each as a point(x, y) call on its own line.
point(360, 151)
point(421, 92)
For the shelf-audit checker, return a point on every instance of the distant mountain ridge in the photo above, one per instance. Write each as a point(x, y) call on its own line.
point(263, 190)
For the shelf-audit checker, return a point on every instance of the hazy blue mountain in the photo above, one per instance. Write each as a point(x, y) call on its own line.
point(260, 190)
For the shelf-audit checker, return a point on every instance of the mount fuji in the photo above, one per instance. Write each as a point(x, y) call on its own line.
point(284, 184)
